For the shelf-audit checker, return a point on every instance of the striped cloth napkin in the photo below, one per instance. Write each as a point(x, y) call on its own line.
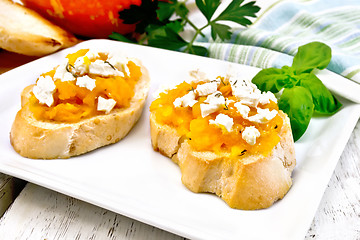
point(285, 25)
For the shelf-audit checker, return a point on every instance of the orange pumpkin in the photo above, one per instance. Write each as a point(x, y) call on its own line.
point(88, 18)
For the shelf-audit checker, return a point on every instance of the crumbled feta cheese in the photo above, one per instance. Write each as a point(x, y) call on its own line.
point(102, 68)
point(188, 100)
point(63, 74)
point(223, 120)
point(250, 134)
point(207, 109)
point(92, 55)
point(212, 103)
point(80, 67)
point(44, 89)
point(105, 105)
point(266, 97)
point(86, 82)
point(206, 88)
point(215, 98)
point(120, 63)
point(197, 76)
point(242, 109)
point(263, 115)
point(245, 91)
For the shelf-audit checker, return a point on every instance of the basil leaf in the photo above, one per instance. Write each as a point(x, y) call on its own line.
point(297, 103)
point(311, 56)
point(323, 100)
point(270, 79)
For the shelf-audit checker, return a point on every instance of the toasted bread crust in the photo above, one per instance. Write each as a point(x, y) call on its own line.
point(248, 182)
point(26, 32)
point(48, 140)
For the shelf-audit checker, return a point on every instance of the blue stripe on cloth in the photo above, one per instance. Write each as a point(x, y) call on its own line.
point(275, 37)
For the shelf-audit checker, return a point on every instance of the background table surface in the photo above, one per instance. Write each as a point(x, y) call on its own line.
point(40, 213)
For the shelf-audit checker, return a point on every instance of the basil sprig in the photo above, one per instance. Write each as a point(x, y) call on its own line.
point(302, 92)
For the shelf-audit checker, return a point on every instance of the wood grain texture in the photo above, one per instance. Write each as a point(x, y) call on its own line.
point(39, 213)
point(6, 192)
point(338, 216)
point(10, 187)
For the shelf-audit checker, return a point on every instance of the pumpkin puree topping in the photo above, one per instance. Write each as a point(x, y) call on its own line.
point(204, 136)
point(71, 101)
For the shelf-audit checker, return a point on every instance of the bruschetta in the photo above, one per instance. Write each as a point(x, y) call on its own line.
point(90, 100)
point(227, 137)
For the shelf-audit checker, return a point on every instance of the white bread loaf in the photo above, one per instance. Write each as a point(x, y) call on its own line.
point(245, 182)
point(33, 138)
point(26, 32)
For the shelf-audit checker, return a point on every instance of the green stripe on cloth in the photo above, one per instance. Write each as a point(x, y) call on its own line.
point(286, 25)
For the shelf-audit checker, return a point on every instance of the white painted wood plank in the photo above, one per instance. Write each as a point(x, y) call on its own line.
point(40, 213)
point(338, 216)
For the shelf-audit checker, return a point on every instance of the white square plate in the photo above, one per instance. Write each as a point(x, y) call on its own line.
point(131, 179)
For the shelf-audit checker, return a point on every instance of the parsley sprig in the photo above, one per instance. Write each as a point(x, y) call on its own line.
point(159, 23)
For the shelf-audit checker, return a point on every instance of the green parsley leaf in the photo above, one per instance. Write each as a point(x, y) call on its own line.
point(158, 22)
point(221, 30)
point(167, 9)
point(237, 13)
point(166, 37)
point(198, 50)
point(208, 7)
point(120, 37)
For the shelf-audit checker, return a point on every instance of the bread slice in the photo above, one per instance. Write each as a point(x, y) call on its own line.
point(32, 138)
point(248, 182)
point(26, 32)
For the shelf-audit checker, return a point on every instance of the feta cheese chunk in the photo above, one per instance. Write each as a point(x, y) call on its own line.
point(92, 55)
point(80, 66)
point(197, 76)
point(63, 74)
point(105, 105)
point(86, 82)
point(44, 89)
point(104, 69)
point(245, 91)
point(223, 120)
point(266, 97)
point(206, 88)
point(250, 134)
point(207, 109)
point(212, 103)
point(263, 115)
point(242, 109)
point(120, 62)
point(188, 100)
